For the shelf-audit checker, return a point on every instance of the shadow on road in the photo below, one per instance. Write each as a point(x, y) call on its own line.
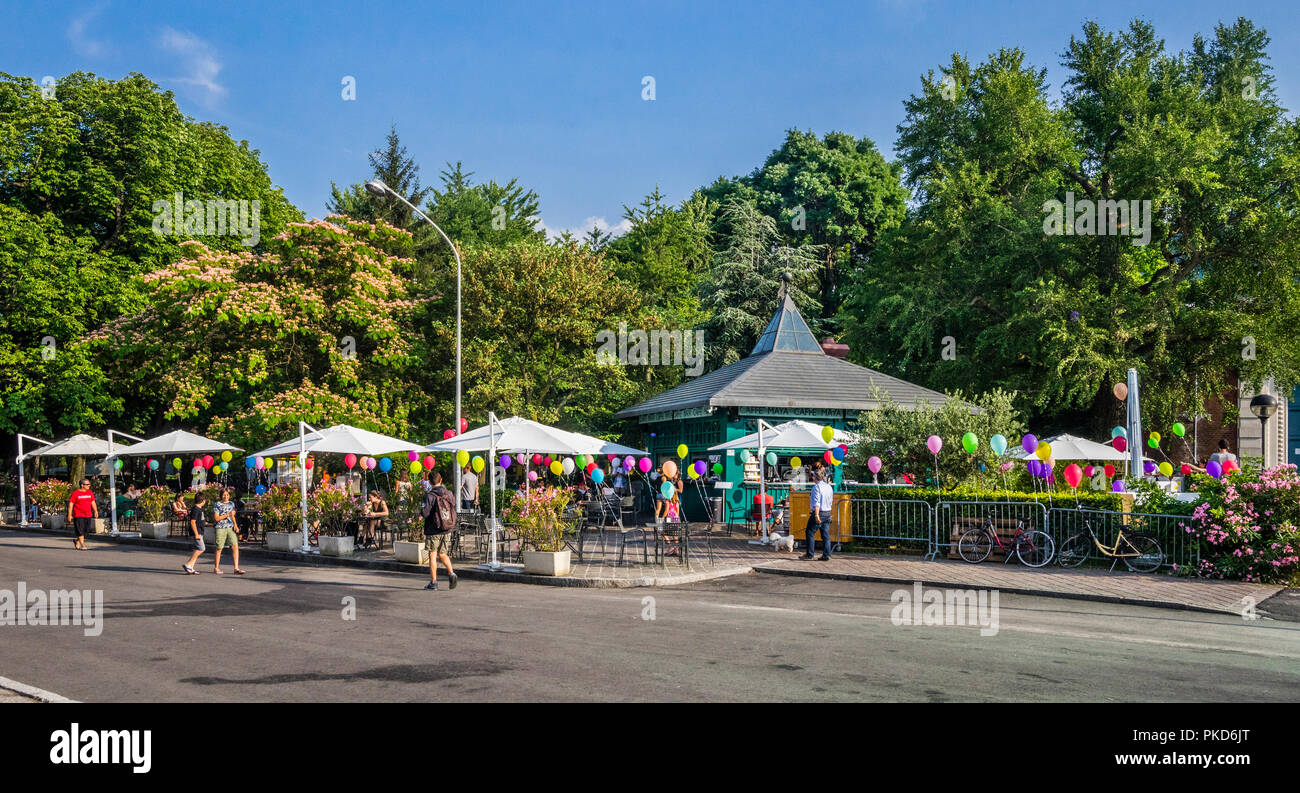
point(400, 673)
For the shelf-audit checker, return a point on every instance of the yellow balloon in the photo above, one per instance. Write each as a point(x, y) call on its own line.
point(556, 467)
point(691, 472)
point(1156, 435)
point(225, 457)
point(477, 464)
point(1043, 451)
point(795, 462)
point(462, 458)
point(828, 432)
point(1166, 469)
point(834, 461)
point(682, 451)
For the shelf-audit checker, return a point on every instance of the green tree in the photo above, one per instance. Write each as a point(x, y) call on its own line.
point(80, 173)
point(743, 287)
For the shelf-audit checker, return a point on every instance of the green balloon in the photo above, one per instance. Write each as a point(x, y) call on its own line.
point(1153, 443)
point(1179, 429)
point(771, 458)
point(717, 469)
point(970, 442)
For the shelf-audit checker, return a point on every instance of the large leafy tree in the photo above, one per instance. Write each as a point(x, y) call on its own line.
point(319, 328)
point(79, 174)
point(743, 287)
point(1060, 317)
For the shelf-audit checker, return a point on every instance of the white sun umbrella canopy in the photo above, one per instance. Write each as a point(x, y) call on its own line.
point(174, 443)
point(78, 446)
point(791, 435)
point(1072, 447)
point(341, 439)
point(517, 434)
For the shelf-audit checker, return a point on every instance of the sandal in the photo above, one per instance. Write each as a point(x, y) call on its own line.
point(189, 570)
point(218, 572)
point(238, 571)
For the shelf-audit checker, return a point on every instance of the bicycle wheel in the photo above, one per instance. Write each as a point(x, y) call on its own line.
point(975, 546)
point(1149, 557)
point(1074, 551)
point(1035, 548)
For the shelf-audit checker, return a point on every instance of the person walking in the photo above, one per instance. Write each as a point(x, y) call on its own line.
point(439, 514)
point(196, 519)
point(224, 512)
point(819, 517)
point(1223, 455)
point(468, 489)
point(82, 512)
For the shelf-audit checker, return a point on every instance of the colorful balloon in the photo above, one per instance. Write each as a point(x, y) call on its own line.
point(477, 464)
point(682, 451)
point(537, 459)
point(838, 453)
point(1117, 432)
point(1029, 443)
point(521, 458)
point(1121, 444)
point(462, 458)
point(1043, 451)
point(412, 456)
point(667, 489)
point(1120, 391)
point(744, 455)
point(828, 457)
point(464, 424)
point(1117, 486)
point(349, 459)
point(208, 461)
point(556, 467)
point(717, 468)
point(310, 463)
point(1214, 469)
point(448, 434)
point(250, 462)
point(1185, 469)
point(795, 462)
point(701, 468)
point(1153, 442)
point(1178, 429)
point(226, 456)
point(1073, 475)
point(429, 462)
point(259, 463)
point(1166, 469)
point(567, 465)
point(645, 464)
point(873, 464)
point(415, 467)
point(828, 433)
point(532, 477)
point(1109, 471)
point(153, 465)
point(934, 443)
point(970, 442)
point(1149, 468)
point(385, 465)
point(998, 443)
point(692, 473)
point(505, 461)
point(670, 469)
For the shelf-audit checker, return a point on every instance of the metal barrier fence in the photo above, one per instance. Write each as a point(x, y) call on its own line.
point(904, 521)
point(953, 518)
point(1177, 550)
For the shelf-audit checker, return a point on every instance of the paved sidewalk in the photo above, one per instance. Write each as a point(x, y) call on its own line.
point(1118, 587)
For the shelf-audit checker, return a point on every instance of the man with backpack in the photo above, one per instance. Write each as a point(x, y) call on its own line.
point(439, 514)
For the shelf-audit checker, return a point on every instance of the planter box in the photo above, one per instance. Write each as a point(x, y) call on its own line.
point(53, 520)
point(336, 546)
point(546, 562)
point(410, 552)
point(284, 540)
point(155, 531)
point(101, 526)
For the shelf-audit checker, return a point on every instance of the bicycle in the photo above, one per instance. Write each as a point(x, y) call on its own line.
point(1032, 547)
point(1141, 552)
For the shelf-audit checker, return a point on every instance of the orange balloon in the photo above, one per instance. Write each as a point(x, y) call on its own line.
point(670, 469)
point(1121, 391)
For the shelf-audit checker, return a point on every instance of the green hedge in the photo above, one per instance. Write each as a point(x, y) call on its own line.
point(1087, 499)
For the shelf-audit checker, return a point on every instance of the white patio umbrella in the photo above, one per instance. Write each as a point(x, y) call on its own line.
point(791, 435)
point(339, 439)
point(86, 446)
point(524, 435)
point(173, 443)
point(1072, 447)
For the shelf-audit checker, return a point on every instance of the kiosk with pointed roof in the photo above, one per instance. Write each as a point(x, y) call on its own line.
point(788, 375)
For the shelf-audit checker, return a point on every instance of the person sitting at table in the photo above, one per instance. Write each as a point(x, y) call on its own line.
point(376, 511)
point(180, 511)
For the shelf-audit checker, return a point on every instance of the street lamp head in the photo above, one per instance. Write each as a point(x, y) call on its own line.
point(377, 187)
point(1263, 406)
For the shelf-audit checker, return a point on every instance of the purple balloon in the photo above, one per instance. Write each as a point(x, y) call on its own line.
point(701, 467)
point(505, 461)
point(1035, 467)
point(1214, 469)
point(629, 462)
point(1117, 486)
point(1029, 443)
point(1149, 467)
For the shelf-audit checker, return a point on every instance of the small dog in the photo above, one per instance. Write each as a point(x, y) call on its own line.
point(782, 542)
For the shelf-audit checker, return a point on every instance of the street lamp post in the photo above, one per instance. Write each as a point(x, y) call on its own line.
point(376, 187)
point(1263, 406)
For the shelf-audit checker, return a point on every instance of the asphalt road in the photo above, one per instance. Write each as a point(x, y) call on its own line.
point(279, 634)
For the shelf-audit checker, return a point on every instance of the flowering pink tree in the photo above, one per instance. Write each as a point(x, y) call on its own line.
point(1249, 525)
point(319, 328)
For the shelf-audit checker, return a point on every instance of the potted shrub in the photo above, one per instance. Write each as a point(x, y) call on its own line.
point(155, 508)
point(538, 518)
point(409, 523)
point(333, 509)
point(281, 517)
point(51, 495)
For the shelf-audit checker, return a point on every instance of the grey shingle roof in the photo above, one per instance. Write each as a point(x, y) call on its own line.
point(783, 372)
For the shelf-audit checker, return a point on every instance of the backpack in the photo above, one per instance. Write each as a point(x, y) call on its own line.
point(439, 510)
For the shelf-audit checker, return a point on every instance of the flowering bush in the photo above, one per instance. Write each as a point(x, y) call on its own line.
point(51, 495)
point(280, 508)
point(538, 517)
point(1249, 525)
point(333, 508)
point(155, 502)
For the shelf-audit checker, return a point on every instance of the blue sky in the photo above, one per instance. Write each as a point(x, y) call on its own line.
point(551, 93)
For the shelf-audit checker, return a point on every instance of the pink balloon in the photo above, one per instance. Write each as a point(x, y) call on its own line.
point(349, 459)
point(448, 434)
point(429, 462)
point(934, 443)
point(520, 458)
point(1088, 471)
point(412, 456)
point(873, 463)
point(532, 476)
point(645, 465)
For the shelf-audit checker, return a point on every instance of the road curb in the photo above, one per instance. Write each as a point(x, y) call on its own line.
point(393, 566)
point(1163, 604)
point(33, 692)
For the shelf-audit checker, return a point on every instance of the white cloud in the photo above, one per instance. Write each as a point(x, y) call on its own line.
point(199, 60)
point(82, 44)
point(580, 231)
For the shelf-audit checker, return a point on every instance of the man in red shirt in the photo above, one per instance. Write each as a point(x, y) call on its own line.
point(82, 509)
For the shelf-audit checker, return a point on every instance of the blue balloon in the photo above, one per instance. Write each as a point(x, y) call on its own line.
point(385, 464)
point(998, 443)
point(261, 490)
point(667, 489)
point(598, 476)
point(250, 462)
point(837, 453)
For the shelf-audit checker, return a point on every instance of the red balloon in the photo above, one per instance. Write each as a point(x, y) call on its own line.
point(429, 461)
point(464, 424)
point(1185, 469)
point(1120, 443)
point(537, 459)
point(826, 455)
point(591, 467)
point(1110, 471)
point(207, 461)
point(349, 459)
point(310, 463)
point(447, 434)
point(1073, 475)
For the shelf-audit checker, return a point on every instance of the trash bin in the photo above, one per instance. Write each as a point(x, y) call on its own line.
point(715, 509)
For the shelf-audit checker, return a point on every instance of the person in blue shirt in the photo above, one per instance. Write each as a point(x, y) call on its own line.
point(819, 517)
